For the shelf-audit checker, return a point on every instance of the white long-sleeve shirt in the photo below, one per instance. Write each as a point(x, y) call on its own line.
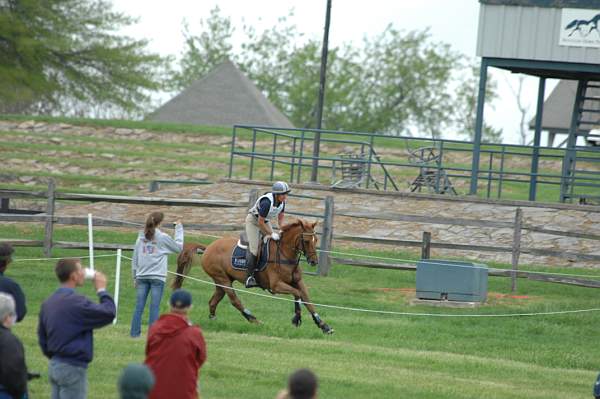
point(149, 258)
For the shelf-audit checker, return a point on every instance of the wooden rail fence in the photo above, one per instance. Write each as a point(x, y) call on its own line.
point(50, 219)
point(516, 249)
point(326, 231)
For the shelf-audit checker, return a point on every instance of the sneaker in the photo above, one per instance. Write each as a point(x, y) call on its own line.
point(251, 282)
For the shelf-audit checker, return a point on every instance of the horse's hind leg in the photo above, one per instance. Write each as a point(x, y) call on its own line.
point(214, 301)
point(235, 301)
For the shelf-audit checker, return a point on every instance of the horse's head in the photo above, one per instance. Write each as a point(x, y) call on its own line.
point(303, 238)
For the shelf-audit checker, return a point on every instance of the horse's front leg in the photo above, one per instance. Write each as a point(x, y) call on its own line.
point(282, 288)
point(297, 319)
point(311, 308)
point(279, 287)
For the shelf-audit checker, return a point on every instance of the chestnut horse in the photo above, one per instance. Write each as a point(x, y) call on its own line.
point(282, 274)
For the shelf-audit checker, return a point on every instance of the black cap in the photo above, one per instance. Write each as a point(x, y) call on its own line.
point(181, 299)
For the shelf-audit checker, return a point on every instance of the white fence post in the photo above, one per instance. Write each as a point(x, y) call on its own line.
point(91, 240)
point(117, 284)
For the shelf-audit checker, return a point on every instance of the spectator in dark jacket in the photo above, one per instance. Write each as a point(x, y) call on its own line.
point(175, 351)
point(13, 372)
point(9, 286)
point(65, 329)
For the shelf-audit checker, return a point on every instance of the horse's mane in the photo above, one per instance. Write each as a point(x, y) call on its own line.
point(290, 226)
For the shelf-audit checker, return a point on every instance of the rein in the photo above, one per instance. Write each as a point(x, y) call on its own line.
point(299, 251)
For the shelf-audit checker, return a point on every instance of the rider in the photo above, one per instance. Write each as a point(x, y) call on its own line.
point(267, 206)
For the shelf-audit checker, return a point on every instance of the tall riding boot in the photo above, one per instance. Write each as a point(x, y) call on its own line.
point(251, 262)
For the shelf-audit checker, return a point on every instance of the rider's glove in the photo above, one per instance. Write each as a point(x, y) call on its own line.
point(275, 236)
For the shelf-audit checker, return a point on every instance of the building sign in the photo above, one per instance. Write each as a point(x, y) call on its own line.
point(580, 28)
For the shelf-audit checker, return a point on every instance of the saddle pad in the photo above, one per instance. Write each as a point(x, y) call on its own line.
point(238, 257)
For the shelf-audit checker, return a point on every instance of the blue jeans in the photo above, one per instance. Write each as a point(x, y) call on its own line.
point(144, 286)
point(67, 381)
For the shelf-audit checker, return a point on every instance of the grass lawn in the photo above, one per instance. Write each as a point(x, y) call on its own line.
point(370, 355)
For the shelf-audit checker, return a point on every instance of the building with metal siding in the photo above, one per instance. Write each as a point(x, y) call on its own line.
point(558, 39)
point(527, 33)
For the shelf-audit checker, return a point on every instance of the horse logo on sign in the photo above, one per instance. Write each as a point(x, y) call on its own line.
point(583, 26)
point(578, 26)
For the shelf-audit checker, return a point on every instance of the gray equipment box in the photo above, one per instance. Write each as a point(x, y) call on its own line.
point(451, 280)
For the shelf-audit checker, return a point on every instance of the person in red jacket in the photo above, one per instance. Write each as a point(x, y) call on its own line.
point(175, 351)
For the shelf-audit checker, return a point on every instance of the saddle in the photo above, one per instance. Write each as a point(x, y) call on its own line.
point(238, 256)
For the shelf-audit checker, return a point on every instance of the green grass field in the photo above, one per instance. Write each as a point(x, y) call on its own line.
point(370, 355)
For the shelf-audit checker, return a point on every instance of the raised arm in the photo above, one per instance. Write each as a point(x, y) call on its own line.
point(170, 244)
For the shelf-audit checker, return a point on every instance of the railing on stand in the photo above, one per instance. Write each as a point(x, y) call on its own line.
point(505, 170)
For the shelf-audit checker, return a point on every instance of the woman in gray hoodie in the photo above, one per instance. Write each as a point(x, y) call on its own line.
point(149, 267)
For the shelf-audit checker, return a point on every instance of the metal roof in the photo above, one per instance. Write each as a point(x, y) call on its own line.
point(224, 97)
point(594, 4)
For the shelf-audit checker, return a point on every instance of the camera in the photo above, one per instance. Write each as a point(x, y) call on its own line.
point(89, 273)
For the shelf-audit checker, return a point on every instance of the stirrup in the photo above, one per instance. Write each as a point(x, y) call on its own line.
point(251, 282)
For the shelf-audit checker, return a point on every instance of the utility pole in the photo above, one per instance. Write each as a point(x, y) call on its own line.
point(317, 143)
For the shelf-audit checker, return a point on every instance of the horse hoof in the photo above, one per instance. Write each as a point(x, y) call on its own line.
point(297, 320)
point(212, 317)
point(255, 321)
point(326, 329)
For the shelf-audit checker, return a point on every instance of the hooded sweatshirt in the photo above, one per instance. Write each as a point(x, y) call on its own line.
point(175, 351)
point(149, 258)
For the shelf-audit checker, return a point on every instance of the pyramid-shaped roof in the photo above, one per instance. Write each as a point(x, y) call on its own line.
point(558, 108)
point(224, 97)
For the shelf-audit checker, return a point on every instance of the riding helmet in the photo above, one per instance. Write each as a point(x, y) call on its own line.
point(280, 187)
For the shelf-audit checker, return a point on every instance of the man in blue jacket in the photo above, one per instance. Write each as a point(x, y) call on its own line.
point(65, 329)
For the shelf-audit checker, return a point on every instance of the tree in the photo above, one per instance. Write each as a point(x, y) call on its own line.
point(288, 73)
point(466, 109)
point(404, 84)
point(202, 53)
point(54, 53)
point(395, 83)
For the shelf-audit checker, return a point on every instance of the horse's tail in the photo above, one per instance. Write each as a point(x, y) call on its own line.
point(185, 261)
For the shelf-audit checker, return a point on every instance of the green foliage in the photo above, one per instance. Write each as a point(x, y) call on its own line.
point(61, 56)
point(404, 83)
point(394, 83)
point(202, 53)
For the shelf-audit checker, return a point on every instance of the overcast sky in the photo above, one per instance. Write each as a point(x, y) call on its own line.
point(450, 21)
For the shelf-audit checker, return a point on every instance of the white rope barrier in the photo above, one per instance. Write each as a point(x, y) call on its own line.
point(388, 312)
point(323, 305)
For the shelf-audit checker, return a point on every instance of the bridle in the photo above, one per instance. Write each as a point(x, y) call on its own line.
point(299, 248)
